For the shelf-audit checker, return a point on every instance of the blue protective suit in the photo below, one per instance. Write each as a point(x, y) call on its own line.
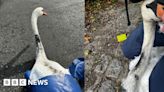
point(56, 83)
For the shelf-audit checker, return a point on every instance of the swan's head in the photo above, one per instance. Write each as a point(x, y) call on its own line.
point(39, 11)
point(157, 7)
point(160, 14)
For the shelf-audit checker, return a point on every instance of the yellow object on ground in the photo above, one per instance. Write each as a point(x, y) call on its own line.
point(121, 37)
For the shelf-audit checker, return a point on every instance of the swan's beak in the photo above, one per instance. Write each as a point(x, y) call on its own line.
point(160, 11)
point(45, 13)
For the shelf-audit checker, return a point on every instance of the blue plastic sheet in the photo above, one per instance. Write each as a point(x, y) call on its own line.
point(64, 83)
point(56, 83)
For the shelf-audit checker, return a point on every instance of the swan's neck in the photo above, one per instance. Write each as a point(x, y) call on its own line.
point(149, 19)
point(34, 19)
point(149, 36)
point(40, 52)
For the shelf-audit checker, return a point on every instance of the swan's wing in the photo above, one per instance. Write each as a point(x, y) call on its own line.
point(56, 66)
point(43, 68)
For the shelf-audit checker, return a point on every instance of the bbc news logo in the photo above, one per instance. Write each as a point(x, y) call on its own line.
point(23, 82)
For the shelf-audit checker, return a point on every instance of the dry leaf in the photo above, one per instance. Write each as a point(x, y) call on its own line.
point(87, 38)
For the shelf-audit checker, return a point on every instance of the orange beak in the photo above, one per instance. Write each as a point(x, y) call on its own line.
point(160, 11)
point(45, 13)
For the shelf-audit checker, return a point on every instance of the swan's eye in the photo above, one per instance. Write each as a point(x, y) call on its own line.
point(42, 10)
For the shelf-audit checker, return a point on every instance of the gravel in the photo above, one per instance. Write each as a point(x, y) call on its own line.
point(105, 65)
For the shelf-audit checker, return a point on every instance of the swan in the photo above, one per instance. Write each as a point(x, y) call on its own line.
point(43, 66)
point(141, 67)
point(56, 77)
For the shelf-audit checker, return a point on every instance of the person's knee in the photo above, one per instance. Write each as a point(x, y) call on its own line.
point(157, 77)
point(132, 46)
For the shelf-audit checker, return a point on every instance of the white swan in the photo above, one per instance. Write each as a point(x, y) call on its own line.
point(43, 66)
point(142, 66)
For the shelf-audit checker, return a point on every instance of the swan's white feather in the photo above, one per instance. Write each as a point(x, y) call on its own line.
point(134, 62)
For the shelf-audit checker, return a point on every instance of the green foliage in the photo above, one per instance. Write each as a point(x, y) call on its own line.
point(101, 1)
point(113, 1)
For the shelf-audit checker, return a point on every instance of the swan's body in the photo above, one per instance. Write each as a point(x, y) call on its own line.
point(43, 66)
point(142, 66)
point(142, 85)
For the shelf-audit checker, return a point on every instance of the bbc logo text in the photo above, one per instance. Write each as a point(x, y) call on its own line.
point(23, 82)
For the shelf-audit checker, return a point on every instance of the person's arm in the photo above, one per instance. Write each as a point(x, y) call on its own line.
point(132, 46)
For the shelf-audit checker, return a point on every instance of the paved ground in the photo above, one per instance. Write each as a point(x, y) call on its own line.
point(61, 32)
point(105, 65)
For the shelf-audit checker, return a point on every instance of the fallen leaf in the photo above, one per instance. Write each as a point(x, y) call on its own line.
point(87, 38)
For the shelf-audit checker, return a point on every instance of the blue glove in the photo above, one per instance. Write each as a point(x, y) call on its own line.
point(77, 69)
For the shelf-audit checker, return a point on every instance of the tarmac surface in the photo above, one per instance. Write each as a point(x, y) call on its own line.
point(61, 33)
